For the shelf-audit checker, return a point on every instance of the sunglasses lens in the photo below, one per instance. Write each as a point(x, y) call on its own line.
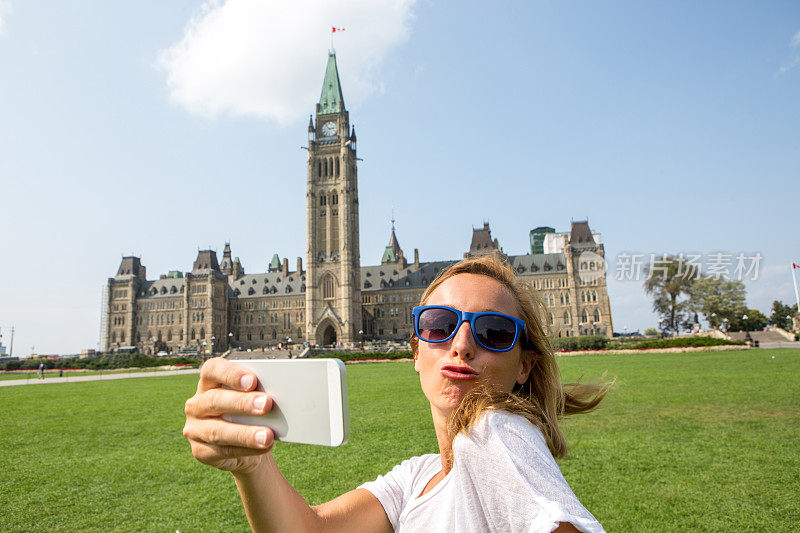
point(436, 324)
point(495, 332)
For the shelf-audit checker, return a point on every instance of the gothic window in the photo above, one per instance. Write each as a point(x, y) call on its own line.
point(566, 297)
point(266, 290)
point(367, 284)
point(236, 292)
point(562, 299)
point(584, 316)
point(251, 291)
point(583, 297)
point(594, 296)
point(566, 317)
point(192, 335)
point(182, 289)
point(202, 333)
point(169, 335)
point(163, 290)
point(323, 199)
point(327, 287)
point(288, 289)
point(113, 337)
point(319, 169)
point(325, 167)
point(597, 315)
point(337, 167)
point(173, 290)
point(334, 198)
point(180, 335)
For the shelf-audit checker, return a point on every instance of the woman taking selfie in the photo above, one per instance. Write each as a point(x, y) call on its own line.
point(494, 388)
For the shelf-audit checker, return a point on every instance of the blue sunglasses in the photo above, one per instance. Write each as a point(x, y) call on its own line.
point(494, 331)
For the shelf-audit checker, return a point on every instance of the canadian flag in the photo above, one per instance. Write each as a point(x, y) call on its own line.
point(334, 29)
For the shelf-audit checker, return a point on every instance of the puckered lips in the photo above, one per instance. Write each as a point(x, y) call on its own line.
point(458, 372)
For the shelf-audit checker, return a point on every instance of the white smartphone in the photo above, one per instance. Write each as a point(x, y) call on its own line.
point(309, 400)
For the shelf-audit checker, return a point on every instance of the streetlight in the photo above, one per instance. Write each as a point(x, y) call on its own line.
point(204, 351)
point(361, 335)
point(213, 339)
point(230, 340)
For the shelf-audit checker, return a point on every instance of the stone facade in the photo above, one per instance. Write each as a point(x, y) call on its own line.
point(334, 300)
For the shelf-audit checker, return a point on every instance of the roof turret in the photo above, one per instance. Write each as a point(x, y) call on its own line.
point(274, 264)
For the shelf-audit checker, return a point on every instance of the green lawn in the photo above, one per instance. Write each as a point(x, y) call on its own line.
point(703, 441)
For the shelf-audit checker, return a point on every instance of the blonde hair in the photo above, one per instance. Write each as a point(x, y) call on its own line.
point(542, 399)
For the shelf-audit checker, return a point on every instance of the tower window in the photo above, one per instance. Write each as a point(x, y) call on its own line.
point(327, 287)
point(337, 167)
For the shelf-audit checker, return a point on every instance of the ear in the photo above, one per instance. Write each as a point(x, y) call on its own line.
point(525, 366)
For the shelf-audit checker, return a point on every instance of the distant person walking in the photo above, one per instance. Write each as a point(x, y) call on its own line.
point(41, 370)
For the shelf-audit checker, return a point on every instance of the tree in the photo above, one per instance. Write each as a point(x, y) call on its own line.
point(781, 315)
point(749, 320)
point(718, 299)
point(668, 282)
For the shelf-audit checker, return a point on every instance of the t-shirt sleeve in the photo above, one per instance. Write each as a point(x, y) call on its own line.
point(396, 488)
point(507, 480)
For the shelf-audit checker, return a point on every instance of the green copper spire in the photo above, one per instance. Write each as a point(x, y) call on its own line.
point(331, 89)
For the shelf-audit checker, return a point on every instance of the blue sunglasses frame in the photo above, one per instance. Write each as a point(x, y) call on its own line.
point(465, 316)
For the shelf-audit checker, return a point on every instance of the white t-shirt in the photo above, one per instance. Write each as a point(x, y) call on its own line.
point(504, 479)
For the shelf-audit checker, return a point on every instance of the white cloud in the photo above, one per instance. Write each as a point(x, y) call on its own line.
point(267, 58)
point(5, 9)
point(794, 43)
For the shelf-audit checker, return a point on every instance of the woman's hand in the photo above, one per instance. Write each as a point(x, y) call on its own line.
point(233, 447)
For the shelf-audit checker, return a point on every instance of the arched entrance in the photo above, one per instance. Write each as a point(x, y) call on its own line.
point(329, 336)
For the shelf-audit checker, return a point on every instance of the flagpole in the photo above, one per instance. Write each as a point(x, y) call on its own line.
point(796, 296)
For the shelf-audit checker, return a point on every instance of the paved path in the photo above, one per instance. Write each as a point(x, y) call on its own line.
point(97, 377)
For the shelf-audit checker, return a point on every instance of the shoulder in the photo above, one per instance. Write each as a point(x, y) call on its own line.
point(395, 489)
point(501, 426)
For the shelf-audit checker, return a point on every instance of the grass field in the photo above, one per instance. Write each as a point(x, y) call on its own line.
point(700, 441)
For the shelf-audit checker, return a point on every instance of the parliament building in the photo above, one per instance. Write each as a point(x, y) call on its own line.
point(333, 300)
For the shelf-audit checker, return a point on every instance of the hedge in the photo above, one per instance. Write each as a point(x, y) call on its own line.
point(358, 356)
point(680, 342)
point(99, 362)
point(583, 342)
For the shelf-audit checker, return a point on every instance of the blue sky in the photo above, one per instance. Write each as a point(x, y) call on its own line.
point(156, 128)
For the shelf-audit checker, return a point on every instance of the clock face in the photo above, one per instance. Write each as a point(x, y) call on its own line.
point(329, 129)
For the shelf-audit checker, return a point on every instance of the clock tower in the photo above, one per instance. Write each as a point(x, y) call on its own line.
point(333, 280)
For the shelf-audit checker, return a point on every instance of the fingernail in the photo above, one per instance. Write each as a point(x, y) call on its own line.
point(259, 403)
point(261, 437)
point(247, 382)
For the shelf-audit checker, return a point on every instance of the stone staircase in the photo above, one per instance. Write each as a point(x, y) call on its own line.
point(264, 354)
point(762, 337)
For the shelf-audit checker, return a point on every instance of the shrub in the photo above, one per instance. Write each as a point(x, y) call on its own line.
point(583, 342)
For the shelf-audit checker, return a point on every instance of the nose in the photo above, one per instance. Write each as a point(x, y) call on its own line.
point(463, 344)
